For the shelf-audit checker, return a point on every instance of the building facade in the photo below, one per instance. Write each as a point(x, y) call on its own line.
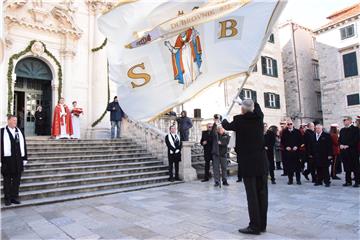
point(337, 45)
point(265, 85)
point(48, 54)
point(301, 73)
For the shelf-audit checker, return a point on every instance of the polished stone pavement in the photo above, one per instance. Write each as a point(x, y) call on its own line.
point(193, 211)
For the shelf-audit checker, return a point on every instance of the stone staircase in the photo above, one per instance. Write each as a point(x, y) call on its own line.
point(60, 170)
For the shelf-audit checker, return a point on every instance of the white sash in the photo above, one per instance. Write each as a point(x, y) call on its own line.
point(171, 141)
point(7, 143)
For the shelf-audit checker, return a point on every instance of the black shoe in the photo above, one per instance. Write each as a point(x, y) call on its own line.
point(205, 180)
point(7, 202)
point(14, 201)
point(171, 179)
point(225, 183)
point(217, 185)
point(306, 176)
point(346, 184)
point(290, 183)
point(239, 180)
point(298, 182)
point(356, 185)
point(336, 178)
point(313, 181)
point(263, 230)
point(177, 179)
point(249, 230)
point(317, 184)
point(327, 184)
point(273, 182)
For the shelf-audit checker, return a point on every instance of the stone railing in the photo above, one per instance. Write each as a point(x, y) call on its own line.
point(153, 139)
point(164, 122)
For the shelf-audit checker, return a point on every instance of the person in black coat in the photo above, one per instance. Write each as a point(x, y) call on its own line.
point(184, 123)
point(349, 140)
point(13, 155)
point(291, 139)
point(309, 138)
point(174, 145)
point(321, 151)
point(270, 138)
point(40, 121)
point(250, 146)
point(206, 142)
point(116, 116)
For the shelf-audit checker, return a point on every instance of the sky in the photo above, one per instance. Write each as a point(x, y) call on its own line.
point(312, 13)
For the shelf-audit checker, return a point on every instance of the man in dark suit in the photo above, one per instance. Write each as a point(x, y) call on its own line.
point(116, 116)
point(349, 140)
point(270, 138)
point(309, 138)
point(206, 142)
point(292, 139)
point(13, 155)
point(174, 144)
point(321, 151)
point(250, 147)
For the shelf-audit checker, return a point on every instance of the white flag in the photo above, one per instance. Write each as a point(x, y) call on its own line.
point(162, 53)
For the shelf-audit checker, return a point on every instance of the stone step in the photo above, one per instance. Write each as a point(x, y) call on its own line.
point(46, 165)
point(79, 169)
point(106, 147)
point(124, 139)
point(39, 201)
point(46, 193)
point(90, 157)
point(33, 154)
point(65, 176)
point(87, 181)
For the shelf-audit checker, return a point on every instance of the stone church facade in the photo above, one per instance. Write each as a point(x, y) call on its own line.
point(48, 54)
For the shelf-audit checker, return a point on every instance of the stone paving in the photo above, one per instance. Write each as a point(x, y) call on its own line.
point(193, 211)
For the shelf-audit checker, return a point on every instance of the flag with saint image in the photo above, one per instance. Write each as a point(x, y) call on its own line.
point(163, 53)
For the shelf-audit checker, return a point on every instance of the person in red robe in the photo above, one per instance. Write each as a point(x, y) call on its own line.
point(62, 125)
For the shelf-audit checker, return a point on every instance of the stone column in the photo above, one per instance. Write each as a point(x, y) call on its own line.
point(186, 171)
point(67, 54)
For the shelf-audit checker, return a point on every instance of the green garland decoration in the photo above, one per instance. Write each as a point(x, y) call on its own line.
point(108, 99)
point(100, 47)
point(11, 68)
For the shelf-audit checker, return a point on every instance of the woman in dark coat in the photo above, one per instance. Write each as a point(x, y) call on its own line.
point(40, 121)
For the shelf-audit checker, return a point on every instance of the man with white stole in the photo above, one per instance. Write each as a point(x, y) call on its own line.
point(174, 144)
point(13, 158)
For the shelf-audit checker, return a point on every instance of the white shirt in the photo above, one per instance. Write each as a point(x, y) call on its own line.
point(13, 131)
point(318, 136)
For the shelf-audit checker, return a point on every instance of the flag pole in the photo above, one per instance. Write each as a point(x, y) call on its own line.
point(238, 93)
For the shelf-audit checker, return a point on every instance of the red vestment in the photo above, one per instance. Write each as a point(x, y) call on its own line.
point(58, 121)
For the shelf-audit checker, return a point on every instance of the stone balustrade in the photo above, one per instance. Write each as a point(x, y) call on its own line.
point(164, 122)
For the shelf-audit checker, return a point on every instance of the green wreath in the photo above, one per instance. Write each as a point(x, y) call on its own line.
point(11, 68)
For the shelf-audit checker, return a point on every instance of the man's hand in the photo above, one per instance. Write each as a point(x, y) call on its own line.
point(295, 148)
point(329, 157)
point(177, 151)
point(113, 108)
point(288, 148)
point(237, 100)
point(204, 142)
point(219, 142)
point(266, 148)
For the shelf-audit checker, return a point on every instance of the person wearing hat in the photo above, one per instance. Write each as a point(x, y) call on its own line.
point(250, 147)
point(349, 140)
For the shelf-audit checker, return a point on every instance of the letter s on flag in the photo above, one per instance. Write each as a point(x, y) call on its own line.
point(131, 74)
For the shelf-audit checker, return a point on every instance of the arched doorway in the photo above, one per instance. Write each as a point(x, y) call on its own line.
point(32, 88)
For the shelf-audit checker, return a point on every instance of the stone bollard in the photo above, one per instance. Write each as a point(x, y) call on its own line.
point(186, 171)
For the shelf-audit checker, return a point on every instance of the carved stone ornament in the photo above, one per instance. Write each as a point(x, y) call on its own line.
point(37, 48)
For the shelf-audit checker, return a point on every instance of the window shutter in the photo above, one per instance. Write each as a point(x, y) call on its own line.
point(275, 70)
point(277, 101)
point(253, 96)
point(263, 65)
point(266, 100)
point(350, 64)
point(242, 94)
point(342, 33)
point(353, 99)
